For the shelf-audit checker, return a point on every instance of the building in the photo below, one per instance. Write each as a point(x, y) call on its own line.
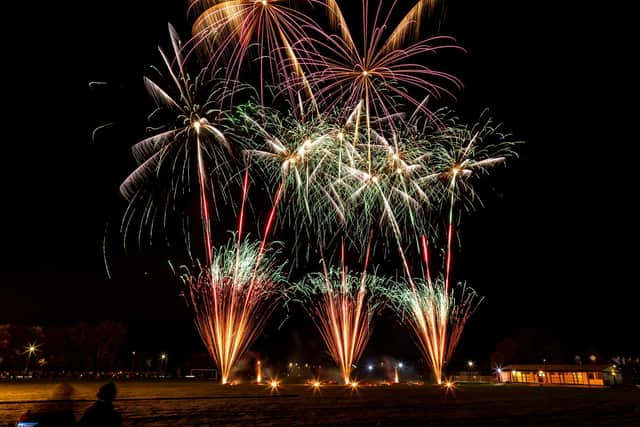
point(578, 375)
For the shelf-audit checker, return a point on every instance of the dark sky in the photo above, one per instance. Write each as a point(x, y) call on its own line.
point(555, 249)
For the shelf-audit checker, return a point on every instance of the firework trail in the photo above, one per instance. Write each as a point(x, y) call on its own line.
point(235, 33)
point(459, 153)
point(342, 306)
point(189, 147)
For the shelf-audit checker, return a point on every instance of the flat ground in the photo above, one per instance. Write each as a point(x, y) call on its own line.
point(204, 403)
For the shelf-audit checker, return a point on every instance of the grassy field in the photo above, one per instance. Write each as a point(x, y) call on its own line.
point(202, 403)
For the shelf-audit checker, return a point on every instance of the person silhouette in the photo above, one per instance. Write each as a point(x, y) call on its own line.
point(102, 413)
point(56, 412)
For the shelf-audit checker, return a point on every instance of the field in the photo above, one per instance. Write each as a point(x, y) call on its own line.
point(203, 403)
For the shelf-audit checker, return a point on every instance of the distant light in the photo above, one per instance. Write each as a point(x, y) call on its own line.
point(470, 363)
point(274, 384)
point(290, 364)
point(499, 370)
point(400, 365)
point(316, 384)
point(448, 384)
point(354, 384)
point(370, 367)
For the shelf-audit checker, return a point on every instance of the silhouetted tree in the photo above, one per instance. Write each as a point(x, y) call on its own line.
point(110, 340)
point(82, 346)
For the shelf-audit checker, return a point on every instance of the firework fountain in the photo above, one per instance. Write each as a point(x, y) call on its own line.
point(436, 313)
point(342, 306)
point(232, 299)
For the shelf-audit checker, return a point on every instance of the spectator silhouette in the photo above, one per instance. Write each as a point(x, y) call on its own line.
point(102, 413)
point(57, 412)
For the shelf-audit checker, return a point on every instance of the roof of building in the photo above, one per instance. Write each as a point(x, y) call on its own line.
point(589, 367)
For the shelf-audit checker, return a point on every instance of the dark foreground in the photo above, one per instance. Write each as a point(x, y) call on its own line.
point(203, 403)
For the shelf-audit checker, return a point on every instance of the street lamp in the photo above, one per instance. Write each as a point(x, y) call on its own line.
point(470, 364)
point(163, 361)
point(133, 361)
point(30, 350)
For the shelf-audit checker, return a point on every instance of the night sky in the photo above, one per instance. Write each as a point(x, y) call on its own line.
point(553, 249)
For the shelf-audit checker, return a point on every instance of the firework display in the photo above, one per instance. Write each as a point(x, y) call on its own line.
point(338, 127)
